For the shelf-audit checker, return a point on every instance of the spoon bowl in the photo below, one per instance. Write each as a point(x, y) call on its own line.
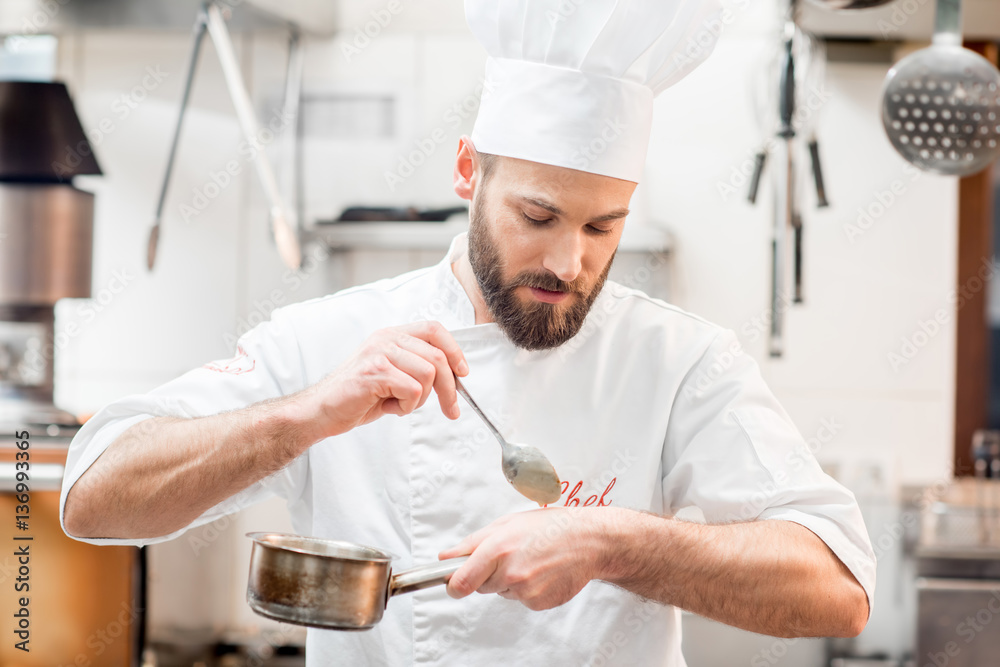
point(527, 469)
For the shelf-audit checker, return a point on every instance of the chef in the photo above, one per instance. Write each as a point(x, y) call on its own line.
point(684, 483)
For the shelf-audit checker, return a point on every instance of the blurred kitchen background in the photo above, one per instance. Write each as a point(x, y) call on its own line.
point(888, 397)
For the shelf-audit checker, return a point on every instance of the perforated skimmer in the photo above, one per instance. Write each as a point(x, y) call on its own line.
point(941, 105)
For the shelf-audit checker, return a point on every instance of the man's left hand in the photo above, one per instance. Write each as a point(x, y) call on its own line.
point(541, 558)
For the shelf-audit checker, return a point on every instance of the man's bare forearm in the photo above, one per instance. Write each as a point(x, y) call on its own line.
point(771, 577)
point(164, 472)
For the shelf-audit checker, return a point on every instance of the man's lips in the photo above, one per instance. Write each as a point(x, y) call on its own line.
point(545, 296)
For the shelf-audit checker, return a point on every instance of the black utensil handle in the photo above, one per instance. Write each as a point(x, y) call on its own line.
point(797, 229)
point(758, 169)
point(817, 169)
point(786, 97)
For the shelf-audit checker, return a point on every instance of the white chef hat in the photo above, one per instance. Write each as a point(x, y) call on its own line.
point(571, 82)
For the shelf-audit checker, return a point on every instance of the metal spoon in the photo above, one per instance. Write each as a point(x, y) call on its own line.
point(525, 467)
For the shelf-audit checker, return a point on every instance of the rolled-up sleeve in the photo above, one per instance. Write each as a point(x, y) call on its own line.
point(267, 364)
point(732, 453)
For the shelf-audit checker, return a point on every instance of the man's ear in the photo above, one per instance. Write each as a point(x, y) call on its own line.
point(466, 168)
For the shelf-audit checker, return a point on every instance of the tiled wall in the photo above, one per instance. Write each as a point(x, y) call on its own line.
point(218, 272)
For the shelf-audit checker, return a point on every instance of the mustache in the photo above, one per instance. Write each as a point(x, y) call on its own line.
point(545, 281)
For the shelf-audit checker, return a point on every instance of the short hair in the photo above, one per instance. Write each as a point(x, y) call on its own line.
point(488, 163)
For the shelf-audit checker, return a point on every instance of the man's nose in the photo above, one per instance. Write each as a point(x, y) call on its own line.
point(565, 258)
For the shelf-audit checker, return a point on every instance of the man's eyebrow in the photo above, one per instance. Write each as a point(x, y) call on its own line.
point(555, 210)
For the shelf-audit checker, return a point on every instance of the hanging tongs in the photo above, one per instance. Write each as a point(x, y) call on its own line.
point(283, 220)
point(786, 207)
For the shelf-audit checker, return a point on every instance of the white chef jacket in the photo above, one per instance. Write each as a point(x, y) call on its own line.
point(647, 407)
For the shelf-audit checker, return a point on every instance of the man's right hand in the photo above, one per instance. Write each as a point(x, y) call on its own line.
point(392, 373)
point(164, 472)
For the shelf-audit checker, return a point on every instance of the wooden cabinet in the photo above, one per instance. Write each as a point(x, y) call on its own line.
point(83, 602)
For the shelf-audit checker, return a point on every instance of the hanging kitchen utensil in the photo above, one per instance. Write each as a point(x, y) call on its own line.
point(330, 584)
point(283, 221)
point(154, 233)
point(291, 110)
point(817, 172)
point(941, 105)
point(784, 201)
point(809, 54)
point(796, 73)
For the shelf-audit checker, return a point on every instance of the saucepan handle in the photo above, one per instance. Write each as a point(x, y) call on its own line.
point(424, 576)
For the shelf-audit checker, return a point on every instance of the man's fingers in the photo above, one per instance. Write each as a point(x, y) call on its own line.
point(405, 390)
point(435, 334)
point(444, 379)
point(463, 548)
point(416, 367)
point(471, 541)
point(473, 573)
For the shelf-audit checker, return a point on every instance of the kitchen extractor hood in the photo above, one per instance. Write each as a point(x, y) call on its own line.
point(42, 138)
point(902, 20)
point(20, 17)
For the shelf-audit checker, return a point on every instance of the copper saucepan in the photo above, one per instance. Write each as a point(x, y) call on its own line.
point(330, 584)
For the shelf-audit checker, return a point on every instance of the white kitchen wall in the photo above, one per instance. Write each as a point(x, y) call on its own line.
point(867, 284)
point(218, 273)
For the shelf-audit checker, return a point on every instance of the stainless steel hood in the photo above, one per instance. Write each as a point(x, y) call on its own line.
point(55, 16)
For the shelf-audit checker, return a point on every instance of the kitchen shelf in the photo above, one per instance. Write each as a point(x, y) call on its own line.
point(346, 236)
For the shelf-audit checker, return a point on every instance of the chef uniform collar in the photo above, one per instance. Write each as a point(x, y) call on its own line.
point(571, 83)
point(457, 302)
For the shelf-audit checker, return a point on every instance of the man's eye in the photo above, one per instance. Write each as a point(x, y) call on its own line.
point(598, 230)
point(532, 221)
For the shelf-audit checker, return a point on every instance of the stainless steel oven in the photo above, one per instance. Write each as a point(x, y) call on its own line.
point(958, 602)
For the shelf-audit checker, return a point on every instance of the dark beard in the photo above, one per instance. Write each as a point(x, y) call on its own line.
point(537, 326)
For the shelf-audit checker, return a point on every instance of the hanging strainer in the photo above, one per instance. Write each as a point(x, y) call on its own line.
point(941, 105)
